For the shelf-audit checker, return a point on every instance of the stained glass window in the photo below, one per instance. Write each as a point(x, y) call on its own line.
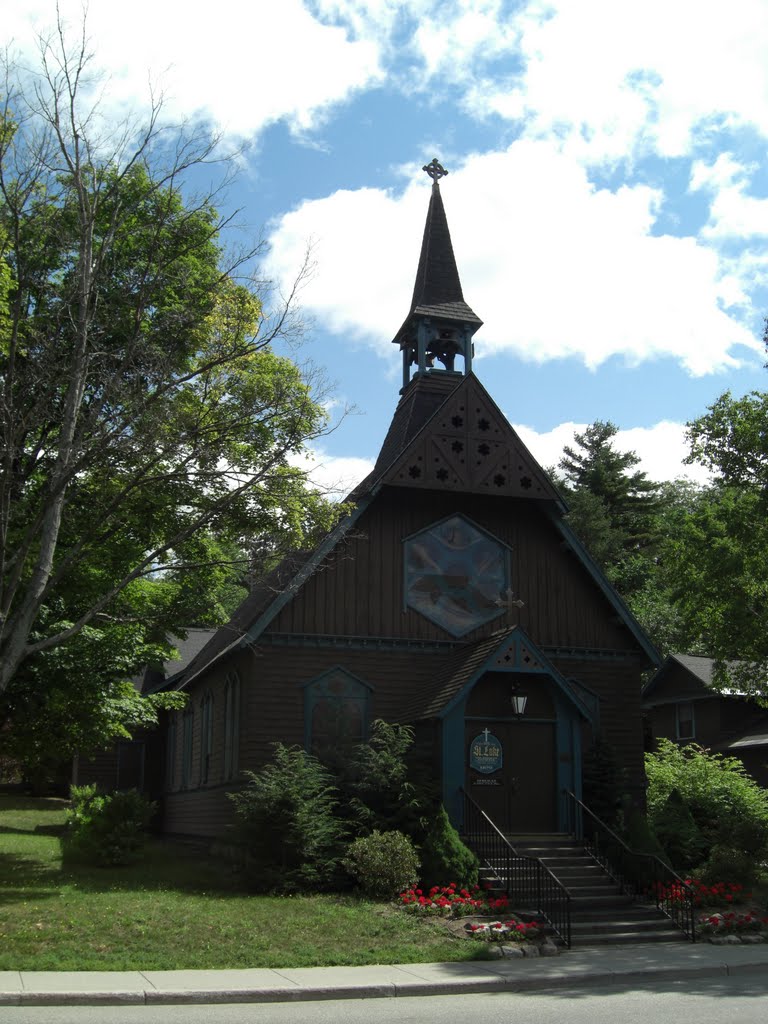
point(456, 575)
point(336, 715)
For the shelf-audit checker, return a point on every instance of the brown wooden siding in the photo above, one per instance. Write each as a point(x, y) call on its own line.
point(358, 591)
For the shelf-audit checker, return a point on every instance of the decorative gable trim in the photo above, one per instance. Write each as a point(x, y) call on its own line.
point(519, 654)
point(468, 445)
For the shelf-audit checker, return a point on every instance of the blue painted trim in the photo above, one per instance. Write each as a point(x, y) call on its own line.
point(516, 640)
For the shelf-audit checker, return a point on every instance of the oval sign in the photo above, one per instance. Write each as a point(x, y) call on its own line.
point(485, 753)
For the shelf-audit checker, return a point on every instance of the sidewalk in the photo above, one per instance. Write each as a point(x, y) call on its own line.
point(594, 966)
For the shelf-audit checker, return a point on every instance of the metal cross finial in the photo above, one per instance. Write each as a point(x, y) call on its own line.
point(435, 170)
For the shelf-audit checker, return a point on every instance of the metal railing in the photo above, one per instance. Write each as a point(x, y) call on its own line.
point(528, 882)
point(642, 875)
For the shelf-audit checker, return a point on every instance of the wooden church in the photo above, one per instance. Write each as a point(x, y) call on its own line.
point(454, 598)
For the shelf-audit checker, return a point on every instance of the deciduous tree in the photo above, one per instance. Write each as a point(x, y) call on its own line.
point(142, 405)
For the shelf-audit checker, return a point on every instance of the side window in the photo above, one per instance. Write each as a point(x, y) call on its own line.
point(686, 726)
point(231, 724)
point(206, 736)
point(170, 750)
point(335, 715)
point(188, 722)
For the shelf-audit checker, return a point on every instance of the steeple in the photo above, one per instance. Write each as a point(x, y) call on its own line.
point(440, 324)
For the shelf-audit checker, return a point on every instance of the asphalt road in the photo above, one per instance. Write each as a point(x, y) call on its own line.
point(695, 1000)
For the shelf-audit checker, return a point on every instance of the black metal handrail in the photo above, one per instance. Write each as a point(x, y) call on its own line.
point(642, 875)
point(527, 881)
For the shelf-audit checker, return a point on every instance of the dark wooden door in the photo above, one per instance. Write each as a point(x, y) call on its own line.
point(519, 796)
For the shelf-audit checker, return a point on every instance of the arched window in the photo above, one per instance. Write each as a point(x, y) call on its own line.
point(231, 724)
point(335, 715)
point(188, 724)
point(206, 736)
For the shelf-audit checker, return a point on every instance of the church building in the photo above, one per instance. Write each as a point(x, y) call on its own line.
point(454, 597)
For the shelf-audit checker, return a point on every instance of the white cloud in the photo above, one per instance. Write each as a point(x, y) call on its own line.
point(733, 213)
point(242, 65)
point(661, 448)
point(614, 79)
point(554, 266)
point(335, 475)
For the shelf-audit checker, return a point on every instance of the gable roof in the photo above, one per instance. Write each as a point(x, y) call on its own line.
point(506, 650)
point(685, 676)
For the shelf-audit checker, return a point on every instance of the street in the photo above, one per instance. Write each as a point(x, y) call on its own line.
point(696, 1000)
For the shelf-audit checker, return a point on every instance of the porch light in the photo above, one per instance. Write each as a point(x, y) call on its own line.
point(519, 700)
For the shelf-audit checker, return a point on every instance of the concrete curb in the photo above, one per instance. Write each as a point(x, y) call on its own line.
point(375, 982)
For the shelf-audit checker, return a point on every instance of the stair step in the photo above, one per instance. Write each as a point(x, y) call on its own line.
point(626, 938)
point(601, 914)
point(621, 925)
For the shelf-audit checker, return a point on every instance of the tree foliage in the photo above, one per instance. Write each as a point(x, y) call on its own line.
point(726, 805)
point(613, 507)
point(142, 406)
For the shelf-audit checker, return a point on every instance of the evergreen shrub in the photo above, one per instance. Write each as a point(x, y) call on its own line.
point(444, 856)
point(106, 829)
point(678, 833)
point(383, 864)
point(286, 822)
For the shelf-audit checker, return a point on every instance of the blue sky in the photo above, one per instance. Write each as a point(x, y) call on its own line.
point(607, 194)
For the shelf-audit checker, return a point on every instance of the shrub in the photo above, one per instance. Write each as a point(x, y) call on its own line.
point(444, 855)
point(105, 830)
point(603, 782)
point(678, 833)
point(727, 805)
point(287, 824)
point(378, 792)
point(726, 862)
point(383, 864)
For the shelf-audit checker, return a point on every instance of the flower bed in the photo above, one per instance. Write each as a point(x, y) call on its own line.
point(703, 895)
point(732, 923)
point(505, 931)
point(450, 901)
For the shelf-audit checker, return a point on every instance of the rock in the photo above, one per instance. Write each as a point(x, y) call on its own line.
point(548, 948)
point(751, 940)
point(512, 951)
point(495, 952)
point(719, 940)
point(530, 950)
point(731, 940)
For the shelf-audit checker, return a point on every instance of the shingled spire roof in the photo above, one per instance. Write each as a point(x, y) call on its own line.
point(437, 290)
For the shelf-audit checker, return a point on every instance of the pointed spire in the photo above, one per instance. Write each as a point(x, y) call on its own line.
point(440, 324)
point(437, 278)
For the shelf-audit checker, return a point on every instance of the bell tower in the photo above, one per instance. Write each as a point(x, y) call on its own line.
point(440, 324)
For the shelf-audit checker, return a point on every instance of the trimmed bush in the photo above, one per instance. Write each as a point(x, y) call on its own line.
point(105, 830)
point(286, 822)
point(444, 856)
point(383, 864)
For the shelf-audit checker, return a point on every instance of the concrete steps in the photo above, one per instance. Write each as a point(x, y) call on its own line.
point(601, 913)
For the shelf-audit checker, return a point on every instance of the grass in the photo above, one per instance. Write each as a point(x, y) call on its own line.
point(175, 911)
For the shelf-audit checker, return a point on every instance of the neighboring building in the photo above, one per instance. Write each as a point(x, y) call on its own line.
point(681, 704)
point(138, 763)
point(453, 585)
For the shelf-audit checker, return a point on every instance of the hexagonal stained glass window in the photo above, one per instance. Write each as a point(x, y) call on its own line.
point(456, 575)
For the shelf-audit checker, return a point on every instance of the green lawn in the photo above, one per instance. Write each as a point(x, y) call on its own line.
point(174, 911)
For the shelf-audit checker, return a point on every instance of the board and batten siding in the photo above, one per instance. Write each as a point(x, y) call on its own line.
point(358, 589)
